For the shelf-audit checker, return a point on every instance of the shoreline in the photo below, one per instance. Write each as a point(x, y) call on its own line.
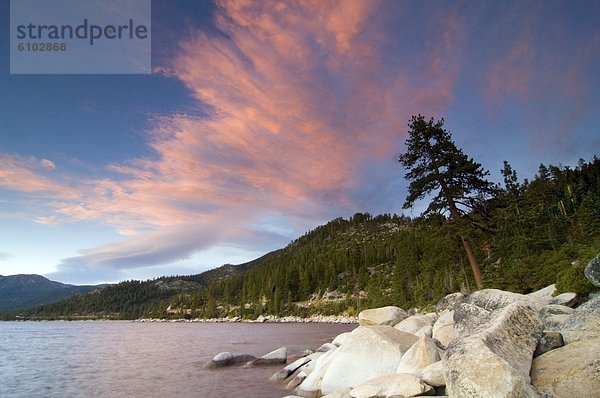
point(260, 319)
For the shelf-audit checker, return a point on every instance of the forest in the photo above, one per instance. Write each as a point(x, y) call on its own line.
point(527, 235)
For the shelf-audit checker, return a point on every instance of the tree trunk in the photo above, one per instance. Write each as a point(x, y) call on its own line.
point(472, 261)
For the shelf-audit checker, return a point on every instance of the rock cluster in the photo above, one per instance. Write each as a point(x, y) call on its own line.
point(492, 344)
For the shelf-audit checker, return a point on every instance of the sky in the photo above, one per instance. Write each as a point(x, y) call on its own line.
point(263, 119)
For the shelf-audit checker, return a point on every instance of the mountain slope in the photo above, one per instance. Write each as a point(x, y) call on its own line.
point(26, 291)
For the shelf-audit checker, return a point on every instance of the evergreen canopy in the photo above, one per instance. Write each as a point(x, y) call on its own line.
point(435, 163)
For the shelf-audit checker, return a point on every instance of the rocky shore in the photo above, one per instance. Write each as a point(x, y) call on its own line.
point(488, 344)
point(264, 319)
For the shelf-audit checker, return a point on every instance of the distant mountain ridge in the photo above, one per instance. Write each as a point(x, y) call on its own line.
point(24, 291)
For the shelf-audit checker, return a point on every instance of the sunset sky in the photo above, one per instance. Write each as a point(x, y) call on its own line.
point(263, 119)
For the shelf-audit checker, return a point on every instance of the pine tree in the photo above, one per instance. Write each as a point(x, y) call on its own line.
point(436, 164)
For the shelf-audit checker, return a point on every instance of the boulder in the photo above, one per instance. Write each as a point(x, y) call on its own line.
point(569, 371)
point(413, 323)
point(545, 293)
point(443, 328)
point(424, 331)
point(341, 339)
point(389, 315)
point(548, 342)
point(494, 299)
point(311, 385)
point(341, 393)
point(566, 299)
point(449, 302)
point(592, 271)
point(423, 353)
point(433, 374)
point(290, 369)
point(470, 319)
point(392, 385)
point(228, 359)
point(554, 316)
point(583, 323)
point(474, 363)
point(327, 347)
point(371, 351)
point(275, 357)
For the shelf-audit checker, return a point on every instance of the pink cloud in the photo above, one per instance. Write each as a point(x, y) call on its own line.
point(301, 97)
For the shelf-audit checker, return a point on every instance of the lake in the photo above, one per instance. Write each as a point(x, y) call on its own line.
point(133, 359)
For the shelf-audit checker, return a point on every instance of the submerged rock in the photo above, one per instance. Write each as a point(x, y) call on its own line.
point(275, 357)
point(228, 359)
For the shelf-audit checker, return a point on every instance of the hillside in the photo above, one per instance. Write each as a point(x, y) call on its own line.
point(26, 291)
point(529, 235)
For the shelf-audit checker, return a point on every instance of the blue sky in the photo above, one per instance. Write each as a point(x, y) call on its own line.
point(262, 120)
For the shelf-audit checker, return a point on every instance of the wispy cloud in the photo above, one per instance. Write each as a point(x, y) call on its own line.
point(302, 95)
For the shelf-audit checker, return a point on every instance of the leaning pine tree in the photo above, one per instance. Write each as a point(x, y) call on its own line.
point(436, 165)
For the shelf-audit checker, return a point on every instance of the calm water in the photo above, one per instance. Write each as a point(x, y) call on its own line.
point(128, 359)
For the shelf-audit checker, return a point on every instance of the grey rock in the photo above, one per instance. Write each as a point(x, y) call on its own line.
point(474, 363)
point(494, 299)
point(554, 316)
point(275, 357)
point(583, 322)
point(569, 371)
point(413, 323)
point(566, 299)
point(341, 393)
point(389, 315)
point(228, 359)
point(443, 328)
point(449, 302)
point(548, 342)
point(470, 319)
point(592, 271)
point(545, 293)
point(290, 369)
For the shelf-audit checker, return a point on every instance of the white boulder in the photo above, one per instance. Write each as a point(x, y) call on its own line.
point(369, 352)
point(422, 354)
point(392, 386)
point(389, 315)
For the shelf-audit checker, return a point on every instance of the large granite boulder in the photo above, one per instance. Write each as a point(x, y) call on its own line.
point(592, 271)
point(227, 359)
point(275, 357)
point(494, 299)
point(422, 354)
point(569, 371)
point(392, 386)
point(470, 319)
point(449, 302)
point(389, 315)
point(311, 385)
point(369, 352)
point(583, 323)
point(495, 362)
